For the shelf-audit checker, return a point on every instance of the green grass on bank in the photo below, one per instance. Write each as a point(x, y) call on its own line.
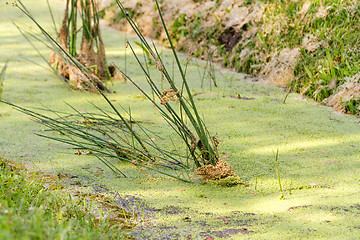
point(334, 29)
point(29, 211)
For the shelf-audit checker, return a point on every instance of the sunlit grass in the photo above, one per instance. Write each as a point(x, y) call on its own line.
point(29, 211)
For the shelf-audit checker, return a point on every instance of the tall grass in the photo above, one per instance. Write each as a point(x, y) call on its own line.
point(200, 145)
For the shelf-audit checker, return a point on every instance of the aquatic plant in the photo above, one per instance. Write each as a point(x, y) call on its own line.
point(92, 50)
point(278, 175)
point(202, 147)
point(111, 134)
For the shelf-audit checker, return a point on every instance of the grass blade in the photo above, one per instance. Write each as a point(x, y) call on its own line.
point(2, 78)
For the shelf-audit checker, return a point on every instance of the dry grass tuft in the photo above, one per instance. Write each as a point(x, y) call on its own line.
point(210, 172)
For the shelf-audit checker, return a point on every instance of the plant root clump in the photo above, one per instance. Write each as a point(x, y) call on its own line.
point(94, 61)
point(220, 171)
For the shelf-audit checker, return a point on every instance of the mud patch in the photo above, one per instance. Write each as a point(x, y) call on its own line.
point(352, 209)
point(299, 207)
point(241, 98)
point(225, 233)
point(229, 38)
point(200, 226)
point(173, 210)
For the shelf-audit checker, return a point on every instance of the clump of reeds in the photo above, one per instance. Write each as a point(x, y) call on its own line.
point(92, 49)
point(115, 135)
point(201, 146)
point(91, 53)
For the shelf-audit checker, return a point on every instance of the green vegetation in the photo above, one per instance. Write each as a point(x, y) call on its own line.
point(318, 148)
point(116, 136)
point(29, 211)
point(90, 53)
point(201, 146)
point(327, 33)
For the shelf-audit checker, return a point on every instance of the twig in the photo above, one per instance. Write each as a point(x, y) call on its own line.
point(134, 162)
point(287, 94)
point(282, 197)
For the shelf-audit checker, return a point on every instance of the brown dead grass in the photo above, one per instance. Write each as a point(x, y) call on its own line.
point(220, 171)
point(94, 61)
point(280, 70)
point(349, 90)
